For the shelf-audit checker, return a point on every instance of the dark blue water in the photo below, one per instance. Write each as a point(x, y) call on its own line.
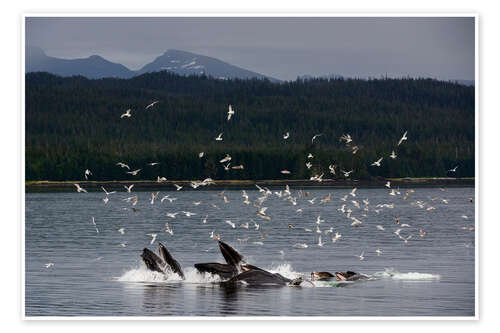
point(101, 274)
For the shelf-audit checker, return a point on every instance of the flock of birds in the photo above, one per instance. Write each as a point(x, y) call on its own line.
point(353, 209)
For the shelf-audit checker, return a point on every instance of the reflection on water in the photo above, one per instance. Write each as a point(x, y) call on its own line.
point(95, 275)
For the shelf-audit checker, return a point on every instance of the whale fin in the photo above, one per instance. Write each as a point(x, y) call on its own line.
point(231, 256)
point(169, 260)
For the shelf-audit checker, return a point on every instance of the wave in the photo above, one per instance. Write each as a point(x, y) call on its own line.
point(142, 274)
point(391, 273)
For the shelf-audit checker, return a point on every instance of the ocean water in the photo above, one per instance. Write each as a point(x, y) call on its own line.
point(97, 271)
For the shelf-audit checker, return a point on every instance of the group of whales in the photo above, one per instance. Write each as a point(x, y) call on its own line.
point(236, 269)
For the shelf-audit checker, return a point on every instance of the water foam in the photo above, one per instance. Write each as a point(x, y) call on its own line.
point(142, 274)
point(391, 273)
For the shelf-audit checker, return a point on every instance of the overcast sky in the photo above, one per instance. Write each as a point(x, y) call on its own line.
point(437, 47)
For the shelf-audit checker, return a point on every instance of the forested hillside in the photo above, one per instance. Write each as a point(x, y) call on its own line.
point(74, 123)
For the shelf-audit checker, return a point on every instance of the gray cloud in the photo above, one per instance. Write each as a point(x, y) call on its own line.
point(438, 47)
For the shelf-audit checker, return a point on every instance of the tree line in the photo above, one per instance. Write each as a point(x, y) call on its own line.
point(73, 124)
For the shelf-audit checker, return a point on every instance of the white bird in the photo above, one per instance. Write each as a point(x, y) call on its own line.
point(355, 149)
point(346, 173)
point(393, 155)
point(310, 155)
point(377, 162)
point(301, 245)
point(188, 214)
point(244, 225)
point(332, 168)
point(286, 135)
point(309, 165)
point(87, 173)
point(403, 138)
point(454, 169)
point(123, 165)
point(204, 220)
point(219, 137)
point(285, 172)
point(379, 251)
point(319, 220)
point(129, 189)
point(154, 196)
point(106, 199)
point(161, 179)
point(126, 114)
point(50, 264)
point(344, 198)
point(153, 237)
point(172, 215)
point(356, 222)
point(107, 193)
point(316, 136)
point(150, 106)
point(346, 137)
point(405, 239)
point(200, 155)
point(231, 224)
point(388, 184)
point(381, 228)
point(230, 112)
point(153, 163)
point(95, 225)
point(226, 159)
point(80, 189)
point(361, 256)
point(256, 225)
point(177, 187)
point(168, 229)
point(121, 231)
point(135, 172)
point(320, 242)
point(353, 192)
point(336, 237)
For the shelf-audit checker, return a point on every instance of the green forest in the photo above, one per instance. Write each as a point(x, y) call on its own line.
point(73, 124)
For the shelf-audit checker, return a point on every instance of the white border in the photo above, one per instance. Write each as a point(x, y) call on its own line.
point(266, 13)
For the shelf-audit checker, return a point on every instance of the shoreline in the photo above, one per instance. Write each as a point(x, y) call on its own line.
point(67, 186)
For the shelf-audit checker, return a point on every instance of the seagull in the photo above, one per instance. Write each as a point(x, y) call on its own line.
point(200, 155)
point(50, 264)
point(319, 220)
point(230, 112)
point(219, 138)
point(161, 179)
point(204, 220)
point(231, 224)
point(126, 114)
point(393, 155)
point(129, 189)
point(188, 214)
point(454, 169)
point(377, 162)
point(388, 184)
point(405, 239)
point(87, 173)
point(309, 165)
point(310, 155)
point(123, 165)
point(168, 229)
point(121, 231)
point(379, 227)
point(353, 192)
point(286, 135)
point(135, 172)
point(244, 225)
point(123, 244)
point(346, 173)
point(355, 149)
point(378, 251)
point(178, 188)
point(153, 163)
point(150, 106)
point(316, 136)
point(403, 138)
point(93, 222)
point(226, 159)
point(238, 167)
point(320, 242)
point(301, 245)
point(80, 189)
point(344, 198)
point(336, 237)
point(154, 196)
point(346, 137)
point(361, 256)
point(285, 172)
point(172, 215)
point(106, 199)
point(154, 237)
point(332, 168)
point(107, 193)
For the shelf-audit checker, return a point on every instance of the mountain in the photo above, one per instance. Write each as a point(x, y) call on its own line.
point(175, 61)
point(187, 63)
point(93, 67)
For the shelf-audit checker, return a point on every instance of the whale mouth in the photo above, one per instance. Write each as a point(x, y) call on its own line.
point(340, 277)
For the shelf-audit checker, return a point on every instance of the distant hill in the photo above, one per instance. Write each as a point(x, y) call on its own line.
point(175, 61)
point(93, 67)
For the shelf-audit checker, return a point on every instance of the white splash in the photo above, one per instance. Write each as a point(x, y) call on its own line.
point(142, 274)
point(391, 273)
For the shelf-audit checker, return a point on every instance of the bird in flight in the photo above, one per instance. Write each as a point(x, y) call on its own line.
point(129, 189)
point(80, 189)
point(361, 256)
point(121, 231)
point(200, 155)
point(153, 163)
point(403, 138)
point(454, 169)
point(87, 173)
point(286, 135)
point(177, 187)
point(50, 264)
point(153, 237)
point(393, 155)
point(123, 165)
point(230, 112)
point(377, 162)
point(316, 136)
point(107, 193)
point(219, 137)
point(134, 173)
point(126, 114)
point(150, 106)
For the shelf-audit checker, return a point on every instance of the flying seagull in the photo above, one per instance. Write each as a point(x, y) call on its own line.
point(151, 105)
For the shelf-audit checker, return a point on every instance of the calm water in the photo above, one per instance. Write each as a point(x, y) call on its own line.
point(94, 275)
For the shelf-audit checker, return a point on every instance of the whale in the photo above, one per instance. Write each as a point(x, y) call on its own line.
point(163, 263)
